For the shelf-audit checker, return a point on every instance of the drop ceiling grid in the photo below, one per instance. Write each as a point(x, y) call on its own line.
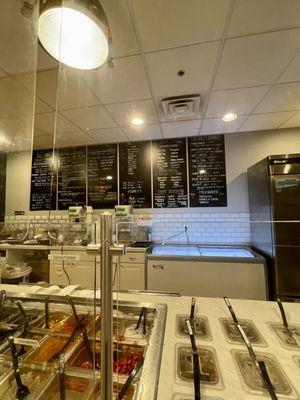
point(139, 41)
point(218, 60)
point(269, 90)
point(233, 28)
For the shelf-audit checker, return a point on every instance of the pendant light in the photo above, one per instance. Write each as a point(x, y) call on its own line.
point(75, 32)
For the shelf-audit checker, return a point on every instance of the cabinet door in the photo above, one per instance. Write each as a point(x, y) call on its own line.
point(57, 275)
point(83, 274)
point(132, 276)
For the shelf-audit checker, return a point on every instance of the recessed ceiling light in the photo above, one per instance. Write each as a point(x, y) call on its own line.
point(75, 34)
point(229, 117)
point(137, 121)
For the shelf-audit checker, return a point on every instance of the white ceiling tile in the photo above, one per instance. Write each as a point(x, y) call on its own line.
point(238, 101)
point(125, 82)
point(110, 135)
point(292, 73)
point(66, 88)
point(256, 60)
point(260, 122)
point(16, 127)
point(43, 142)
point(250, 16)
point(4, 114)
point(44, 60)
point(18, 38)
point(124, 42)
point(143, 132)
point(197, 61)
point(181, 129)
point(41, 106)
point(123, 113)
point(15, 98)
point(73, 139)
point(293, 122)
point(174, 23)
point(283, 97)
point(46, 123)
point(90, 118)
point(217, 125)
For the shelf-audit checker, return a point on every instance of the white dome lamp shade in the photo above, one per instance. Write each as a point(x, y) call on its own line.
point(75, 32)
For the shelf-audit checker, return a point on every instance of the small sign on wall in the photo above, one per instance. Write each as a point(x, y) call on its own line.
point(63, 257)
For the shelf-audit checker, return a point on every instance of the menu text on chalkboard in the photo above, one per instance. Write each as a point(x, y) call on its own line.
point(72, 177)
point(43, 180)
point(169, 173)
point(207, 172)
point(135, 174)
point(102, 176)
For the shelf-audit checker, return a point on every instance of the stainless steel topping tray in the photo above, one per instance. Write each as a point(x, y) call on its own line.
point(232, 333)
point(252, 378)
point(283, 336)
point(124, 329)
point(77, 388)
point(208, 365)
point(49, 347)
point(80, 358)
point(200, 324)
point(128, 314)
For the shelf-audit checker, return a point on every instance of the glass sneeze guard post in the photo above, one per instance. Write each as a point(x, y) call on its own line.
point(107, 251)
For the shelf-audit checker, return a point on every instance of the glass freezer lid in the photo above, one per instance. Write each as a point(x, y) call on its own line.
point(169, 250)
point(226, 252)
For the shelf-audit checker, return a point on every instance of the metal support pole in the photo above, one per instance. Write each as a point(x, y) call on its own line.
point(106, 309)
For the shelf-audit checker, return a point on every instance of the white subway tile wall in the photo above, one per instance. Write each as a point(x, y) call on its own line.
point(206, 228)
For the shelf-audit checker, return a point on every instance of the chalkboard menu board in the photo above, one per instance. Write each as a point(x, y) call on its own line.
point(169, 173)
point(72, 177)
point(43, 181)
point(207, 172)
point(135, 174)
point(102, 176)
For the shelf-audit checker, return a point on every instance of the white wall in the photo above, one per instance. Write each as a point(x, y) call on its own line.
point(242, 151)
point(206, 225)
point(18, 176)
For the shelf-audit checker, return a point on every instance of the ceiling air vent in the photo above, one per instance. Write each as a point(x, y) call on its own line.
point(180, 107)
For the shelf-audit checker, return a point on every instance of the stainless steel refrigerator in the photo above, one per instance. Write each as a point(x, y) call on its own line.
point(274, 198)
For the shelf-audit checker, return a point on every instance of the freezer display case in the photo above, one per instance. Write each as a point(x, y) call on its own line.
point(209, 271)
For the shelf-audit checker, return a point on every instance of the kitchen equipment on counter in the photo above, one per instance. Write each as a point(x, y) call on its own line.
point(212, 271)
point(274, 198)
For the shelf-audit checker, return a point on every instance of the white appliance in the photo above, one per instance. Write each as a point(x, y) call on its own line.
point(236, 272)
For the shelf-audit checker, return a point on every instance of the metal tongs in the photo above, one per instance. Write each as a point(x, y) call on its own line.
point(285, 323)
point(260, 365)
point(47, 313)
point(2, 300)
point(82, 328)
point(143, 316)
point(71, 337)
point(23, 390)
point(130, 378)
point(196, 363)
point(62, 384)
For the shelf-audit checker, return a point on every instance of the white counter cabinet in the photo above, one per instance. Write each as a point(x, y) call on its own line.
point(80, 270)
point(132, 271)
